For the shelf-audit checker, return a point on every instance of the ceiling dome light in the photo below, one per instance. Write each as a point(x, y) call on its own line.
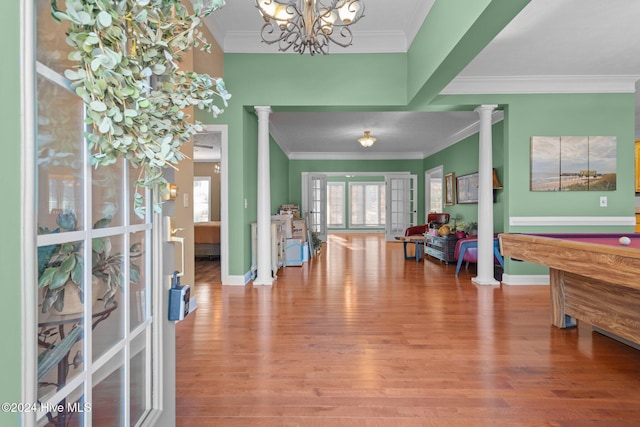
point(367, 140)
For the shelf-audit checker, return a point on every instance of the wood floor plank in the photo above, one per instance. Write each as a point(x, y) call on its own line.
point(359, 336)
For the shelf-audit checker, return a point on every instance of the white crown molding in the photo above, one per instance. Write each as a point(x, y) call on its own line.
point(544, 221)
point(298, 155)
point(474, 128)
point(363, 42)
point(419, 15)
point(470, 130)
point(541, 84)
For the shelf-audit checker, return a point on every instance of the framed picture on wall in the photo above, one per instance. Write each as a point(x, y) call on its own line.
point(467, 188)
point(449, 189)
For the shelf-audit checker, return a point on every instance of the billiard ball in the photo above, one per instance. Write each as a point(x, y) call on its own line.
point(624, 240)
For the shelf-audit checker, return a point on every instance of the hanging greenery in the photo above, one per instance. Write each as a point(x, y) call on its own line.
point(128, 76)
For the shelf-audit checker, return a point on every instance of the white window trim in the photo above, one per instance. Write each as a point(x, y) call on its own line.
point(343, 225)
point(379, 184)
point(208, 179)
point(438, 171)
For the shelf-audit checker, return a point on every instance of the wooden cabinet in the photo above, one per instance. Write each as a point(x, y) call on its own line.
point(441, 247)
point(278, 246)
point(638, 166)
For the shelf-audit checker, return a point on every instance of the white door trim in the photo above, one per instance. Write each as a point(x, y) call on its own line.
point(224, 202)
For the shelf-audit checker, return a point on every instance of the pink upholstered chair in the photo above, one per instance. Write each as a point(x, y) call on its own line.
point(467, 251)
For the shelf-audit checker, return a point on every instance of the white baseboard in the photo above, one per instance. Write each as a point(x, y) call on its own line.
point(523, 279)
point(545, 221)
point(354, 231)
point(238, 280)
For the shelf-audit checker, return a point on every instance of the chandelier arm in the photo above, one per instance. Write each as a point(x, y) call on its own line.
point(345, 34)
point(268, 29)
point(309, 24)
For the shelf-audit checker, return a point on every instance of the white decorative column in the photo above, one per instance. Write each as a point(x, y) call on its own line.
point(485, 199)
point(264, 276)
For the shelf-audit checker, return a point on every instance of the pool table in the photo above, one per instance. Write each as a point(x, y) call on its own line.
point(592, 277)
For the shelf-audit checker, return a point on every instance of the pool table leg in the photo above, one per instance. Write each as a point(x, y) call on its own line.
point(558, 316)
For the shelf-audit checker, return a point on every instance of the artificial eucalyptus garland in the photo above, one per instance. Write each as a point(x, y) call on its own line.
point(129, 79)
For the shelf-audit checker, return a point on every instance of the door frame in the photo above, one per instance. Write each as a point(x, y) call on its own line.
point(438, 170)
point(304, 180)
point(224, 198)
point(413, 204)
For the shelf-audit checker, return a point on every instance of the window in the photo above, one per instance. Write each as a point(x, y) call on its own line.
point(435, 201)
point(335, 205)
point(202, 199)
point(367, 204)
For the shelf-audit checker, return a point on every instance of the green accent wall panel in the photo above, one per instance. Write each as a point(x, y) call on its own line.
point(10, 216)
point(279, 169)
point(452, 35)
point(596, 114)
point(461, 159)
point(320, 81)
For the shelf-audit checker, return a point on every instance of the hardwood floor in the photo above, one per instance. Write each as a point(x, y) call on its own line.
point(361, 337)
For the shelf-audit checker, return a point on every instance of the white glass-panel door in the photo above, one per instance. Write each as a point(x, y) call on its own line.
point(93, 290)
point(317, 204)
point(401, 204)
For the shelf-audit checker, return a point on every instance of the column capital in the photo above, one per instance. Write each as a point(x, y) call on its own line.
point(263, 109)
point(485, 107)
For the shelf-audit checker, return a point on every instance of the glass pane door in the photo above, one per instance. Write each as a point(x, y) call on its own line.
point(317, 217)
point(402, 204)
point(93, 308)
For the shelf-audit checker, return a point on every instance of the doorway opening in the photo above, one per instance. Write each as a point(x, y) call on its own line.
point(209, 199)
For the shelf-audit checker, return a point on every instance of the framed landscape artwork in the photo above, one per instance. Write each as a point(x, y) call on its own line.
point(449, 189)
point(573, 163)
point(467, 188)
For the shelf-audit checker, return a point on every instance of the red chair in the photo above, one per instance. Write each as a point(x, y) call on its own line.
point(434, 220)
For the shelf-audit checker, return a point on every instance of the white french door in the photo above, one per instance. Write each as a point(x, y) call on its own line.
point(93, 351)
point(317, 205)
point(402, 205)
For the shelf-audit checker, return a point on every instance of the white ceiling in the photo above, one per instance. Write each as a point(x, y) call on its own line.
point(551, 46)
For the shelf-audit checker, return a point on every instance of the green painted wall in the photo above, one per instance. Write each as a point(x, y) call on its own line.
point(453, 33)
point(279, 168)
point(370, 81)
point(444, 27)
point(334, 81)
point(387, 82)
point(462, 159)
point(10, 217)
point(560, 115)
point(250, 167)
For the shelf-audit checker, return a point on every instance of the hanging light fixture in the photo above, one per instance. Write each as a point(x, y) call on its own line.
point(303, 25)
point(367, 140)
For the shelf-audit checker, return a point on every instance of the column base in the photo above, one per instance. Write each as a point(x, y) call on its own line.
point(262, 281)
point(479, 281)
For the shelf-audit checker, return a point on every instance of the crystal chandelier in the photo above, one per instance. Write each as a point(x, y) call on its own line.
point(303, 25)
point(367, 140)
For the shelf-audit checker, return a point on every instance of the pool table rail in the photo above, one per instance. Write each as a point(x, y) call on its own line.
point(592, 282)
